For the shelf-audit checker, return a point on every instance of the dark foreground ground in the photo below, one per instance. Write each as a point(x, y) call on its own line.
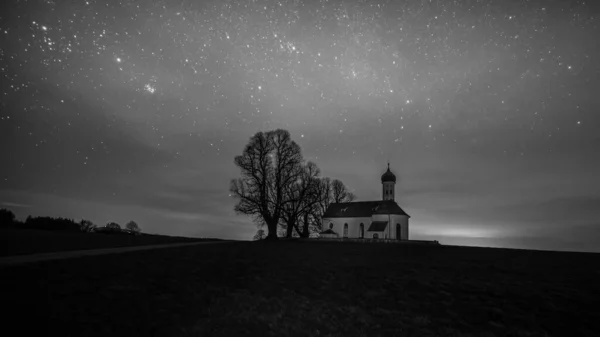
point(31, 241)
point(307, 289)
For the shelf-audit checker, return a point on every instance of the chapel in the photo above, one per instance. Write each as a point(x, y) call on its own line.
point(380, 219)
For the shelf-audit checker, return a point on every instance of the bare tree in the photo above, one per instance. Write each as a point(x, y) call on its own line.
point(268, 164)
point(302, 194)
point(340, 193)
point(87, 226)
point(308, 223)
point(325, 198)
point(328, 192)
point(133, 226)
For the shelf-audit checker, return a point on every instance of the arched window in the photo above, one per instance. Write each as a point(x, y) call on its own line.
point(361, 230)
point(345, 230)
point(375, 236)
point(331, 225)
point(398, 232)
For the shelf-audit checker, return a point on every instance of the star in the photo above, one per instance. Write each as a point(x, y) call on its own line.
point(149, 88)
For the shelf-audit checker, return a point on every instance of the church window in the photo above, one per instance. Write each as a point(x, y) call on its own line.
point(331, 225)
point(361, 229)
point(375, 236)
point(345, 230)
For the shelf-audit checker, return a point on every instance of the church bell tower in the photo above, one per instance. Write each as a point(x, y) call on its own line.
point(388, 182)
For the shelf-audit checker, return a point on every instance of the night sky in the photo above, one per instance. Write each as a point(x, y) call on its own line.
point(134, 110)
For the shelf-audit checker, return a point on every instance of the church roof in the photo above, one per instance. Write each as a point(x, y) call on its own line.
point(377, 226)
point(363, 209)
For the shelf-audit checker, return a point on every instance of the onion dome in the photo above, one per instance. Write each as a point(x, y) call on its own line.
point(388, 176)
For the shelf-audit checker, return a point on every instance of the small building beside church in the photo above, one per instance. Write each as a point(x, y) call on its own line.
point(381, 219)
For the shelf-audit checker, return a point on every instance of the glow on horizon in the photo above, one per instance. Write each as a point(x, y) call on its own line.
point(458, 231)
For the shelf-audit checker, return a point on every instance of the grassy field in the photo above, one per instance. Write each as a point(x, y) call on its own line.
point(307, 289)
point(30, 241)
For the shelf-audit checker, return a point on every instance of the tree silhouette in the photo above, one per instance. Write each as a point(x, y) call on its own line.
point(302, 195)
point(49, 223)
point(340, 193)
point(7, 218)
point(87, 226)
point(270, 162)
point(113, 226)
point(132, 226)
point(325, 199)
point(260, 235)
point(328, 192)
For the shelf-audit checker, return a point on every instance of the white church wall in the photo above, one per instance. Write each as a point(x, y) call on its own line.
point(353, 225)
point(403, 221)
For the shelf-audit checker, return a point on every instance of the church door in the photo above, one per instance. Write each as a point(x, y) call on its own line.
point(345, 230)
point(398, 232)
point(361, 231)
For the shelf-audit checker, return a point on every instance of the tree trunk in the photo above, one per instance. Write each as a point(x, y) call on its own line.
point(289, 229)
point(272, 227)
point(305, 232)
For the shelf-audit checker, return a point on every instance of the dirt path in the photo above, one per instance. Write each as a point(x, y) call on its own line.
point(22, 259)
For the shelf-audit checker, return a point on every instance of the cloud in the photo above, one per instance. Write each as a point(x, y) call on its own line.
point(12, 204)
point(194, 217)
point(185, 216)
point(99, 152)
point(188, 188)
point(565, 210)
point(227, 227)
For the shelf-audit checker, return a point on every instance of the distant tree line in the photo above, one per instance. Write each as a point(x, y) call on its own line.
point(8, 220)
point(280, 190)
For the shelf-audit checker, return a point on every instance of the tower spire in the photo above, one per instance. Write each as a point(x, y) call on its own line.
point(388, 181)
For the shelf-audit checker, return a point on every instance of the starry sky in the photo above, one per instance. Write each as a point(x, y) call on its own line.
point(134, 110)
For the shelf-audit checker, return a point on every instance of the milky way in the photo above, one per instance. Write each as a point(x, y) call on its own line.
point(363, 79)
